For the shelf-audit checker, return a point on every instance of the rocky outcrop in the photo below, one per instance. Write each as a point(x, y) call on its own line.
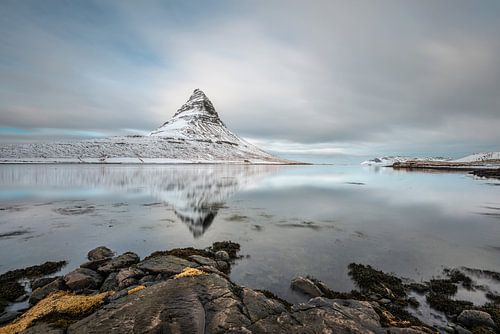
point(184, 291)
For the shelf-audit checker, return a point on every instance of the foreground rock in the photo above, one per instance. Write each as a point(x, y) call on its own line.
point(184, 291)
point(210, 303)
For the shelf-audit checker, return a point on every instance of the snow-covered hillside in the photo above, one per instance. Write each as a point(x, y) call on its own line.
point(390, 160)
point(485, 156)
point(194, 135)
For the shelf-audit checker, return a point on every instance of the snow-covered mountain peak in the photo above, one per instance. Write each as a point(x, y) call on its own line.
point(198, 103)
point(197, 120)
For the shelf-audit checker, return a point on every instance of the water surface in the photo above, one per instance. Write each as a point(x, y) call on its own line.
point(289, 220)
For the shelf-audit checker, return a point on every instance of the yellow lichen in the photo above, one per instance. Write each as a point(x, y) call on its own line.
point(136, 289)
point(58, 303)
point(189, 272)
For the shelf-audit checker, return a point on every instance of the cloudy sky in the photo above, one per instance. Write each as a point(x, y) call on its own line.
point(297, 77)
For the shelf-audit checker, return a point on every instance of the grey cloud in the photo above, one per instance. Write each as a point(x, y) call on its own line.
point(405, 75)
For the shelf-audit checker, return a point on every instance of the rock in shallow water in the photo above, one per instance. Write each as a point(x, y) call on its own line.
point(42, 292)
point(100, 253)
point(306, 286)
point(472, 318)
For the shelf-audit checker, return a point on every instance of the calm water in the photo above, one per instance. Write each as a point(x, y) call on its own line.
point(289, 220)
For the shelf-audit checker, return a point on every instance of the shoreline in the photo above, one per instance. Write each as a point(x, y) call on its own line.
point(181, 289)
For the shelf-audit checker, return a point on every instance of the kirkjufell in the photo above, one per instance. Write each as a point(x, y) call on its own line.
point(195, 134)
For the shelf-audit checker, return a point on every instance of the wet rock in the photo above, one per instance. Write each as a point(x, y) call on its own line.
point(407, 330)
point(11, 290)
point(100, 253)
point(8, 317)
point(39, 282)
point(259, 306)
point(231, 248)
point(43, 328)
point(127, 282)
point(461, 330)
point(223, 266)
point(125, 260)
point(197, 304)
point(473, 318)
point(321, 315)
point(222, 255)
point(373, 281)
point(124, 274)
point(305, 286)
point(147, 279)
point(46, 268)
point(165, 264)
point(82, 278)
point(42, 292)
point(94, 265)
point(203, 261)
point(110, 283)
point(418, 287)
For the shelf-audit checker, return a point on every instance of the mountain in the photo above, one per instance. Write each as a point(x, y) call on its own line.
point(195, 134)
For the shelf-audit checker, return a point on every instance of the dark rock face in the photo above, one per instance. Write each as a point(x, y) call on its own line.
point(39, 282)
point(146, 298)
point(125, 260)
point(43, 328)
point(306, 286)
point(94, 265)
point(100, 253)
point(473, 318)
point(110, 283)
point(211, 304)
point(43, 291)
point(204, 261)
point(83, 278)
point(165, 264)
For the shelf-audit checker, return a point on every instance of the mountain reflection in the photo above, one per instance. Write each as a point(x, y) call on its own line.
point(196, 192)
